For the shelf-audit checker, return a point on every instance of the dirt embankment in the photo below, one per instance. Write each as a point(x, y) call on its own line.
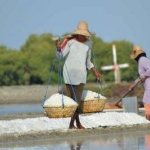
point(25, 94)
point(36, 93)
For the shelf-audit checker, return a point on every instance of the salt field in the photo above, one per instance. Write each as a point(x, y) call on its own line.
point(42, 124)
point(107, 130)
point(110, 129)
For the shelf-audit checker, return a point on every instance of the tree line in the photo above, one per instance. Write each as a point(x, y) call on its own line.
point(32, 63)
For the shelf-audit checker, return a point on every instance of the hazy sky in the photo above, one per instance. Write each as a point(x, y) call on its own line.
point(110, 19)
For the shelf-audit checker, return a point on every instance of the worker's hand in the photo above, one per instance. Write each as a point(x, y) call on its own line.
point(58, 46)
point(98, 75)
point(58, 43)
point(142, 80)
point(131, 88)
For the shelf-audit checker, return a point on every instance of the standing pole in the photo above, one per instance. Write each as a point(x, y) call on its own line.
point(116, 67)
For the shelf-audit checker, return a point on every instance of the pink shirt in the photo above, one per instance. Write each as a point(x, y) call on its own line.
point(144, 70)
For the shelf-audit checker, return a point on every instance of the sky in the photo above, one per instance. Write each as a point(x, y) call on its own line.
point(111, 20)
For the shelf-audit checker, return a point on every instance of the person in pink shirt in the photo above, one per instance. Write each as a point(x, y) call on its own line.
point(139, 55)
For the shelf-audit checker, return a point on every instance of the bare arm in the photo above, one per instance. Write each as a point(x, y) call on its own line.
point(96, 73)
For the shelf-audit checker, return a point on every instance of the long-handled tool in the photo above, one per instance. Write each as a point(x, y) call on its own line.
point(116, 103)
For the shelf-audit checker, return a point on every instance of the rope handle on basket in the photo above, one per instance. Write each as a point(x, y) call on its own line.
point(48, 83)
point(99, 85)
point(99, 82)
point(60, 80)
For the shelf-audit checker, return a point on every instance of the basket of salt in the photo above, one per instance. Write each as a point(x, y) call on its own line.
point(92, 102)
point(59, 106)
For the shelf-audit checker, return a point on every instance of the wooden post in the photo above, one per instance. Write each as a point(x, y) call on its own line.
point(115, 67)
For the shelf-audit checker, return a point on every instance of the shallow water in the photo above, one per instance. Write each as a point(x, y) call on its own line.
point(20, 108)
point(139, 140)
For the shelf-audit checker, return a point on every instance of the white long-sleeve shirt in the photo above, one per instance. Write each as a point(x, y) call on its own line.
point(78, 60)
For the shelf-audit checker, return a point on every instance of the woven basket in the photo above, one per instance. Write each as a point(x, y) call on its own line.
point(94, 105)
point(60, 112)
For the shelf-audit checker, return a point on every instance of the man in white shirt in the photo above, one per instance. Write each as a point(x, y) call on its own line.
point(77, 50)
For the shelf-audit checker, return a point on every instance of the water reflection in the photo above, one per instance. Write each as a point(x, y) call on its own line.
point(147, 141)
point(139, 140)
point(76, 146)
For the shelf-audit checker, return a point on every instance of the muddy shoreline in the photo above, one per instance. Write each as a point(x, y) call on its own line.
point(25, 94)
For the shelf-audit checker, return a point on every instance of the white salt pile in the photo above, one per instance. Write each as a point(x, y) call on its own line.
point(44, 124)
point(88, 95)
point(57, 100)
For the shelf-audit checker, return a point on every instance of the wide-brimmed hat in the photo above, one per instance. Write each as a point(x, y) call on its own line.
point(82, 29)
point(137, 50)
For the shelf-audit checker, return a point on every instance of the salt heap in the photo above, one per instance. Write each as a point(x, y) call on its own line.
point(92, 102)
point(89, 95)
point(57, 100)
point(59, 106)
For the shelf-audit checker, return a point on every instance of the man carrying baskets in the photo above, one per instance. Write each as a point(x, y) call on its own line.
point(77, 50)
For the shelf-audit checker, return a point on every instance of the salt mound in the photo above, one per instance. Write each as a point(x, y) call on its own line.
point(57, 100)
point(89, 95)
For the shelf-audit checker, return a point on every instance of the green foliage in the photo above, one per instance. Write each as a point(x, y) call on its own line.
point(31, 65)
point(11, 68)
point(103, 56)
